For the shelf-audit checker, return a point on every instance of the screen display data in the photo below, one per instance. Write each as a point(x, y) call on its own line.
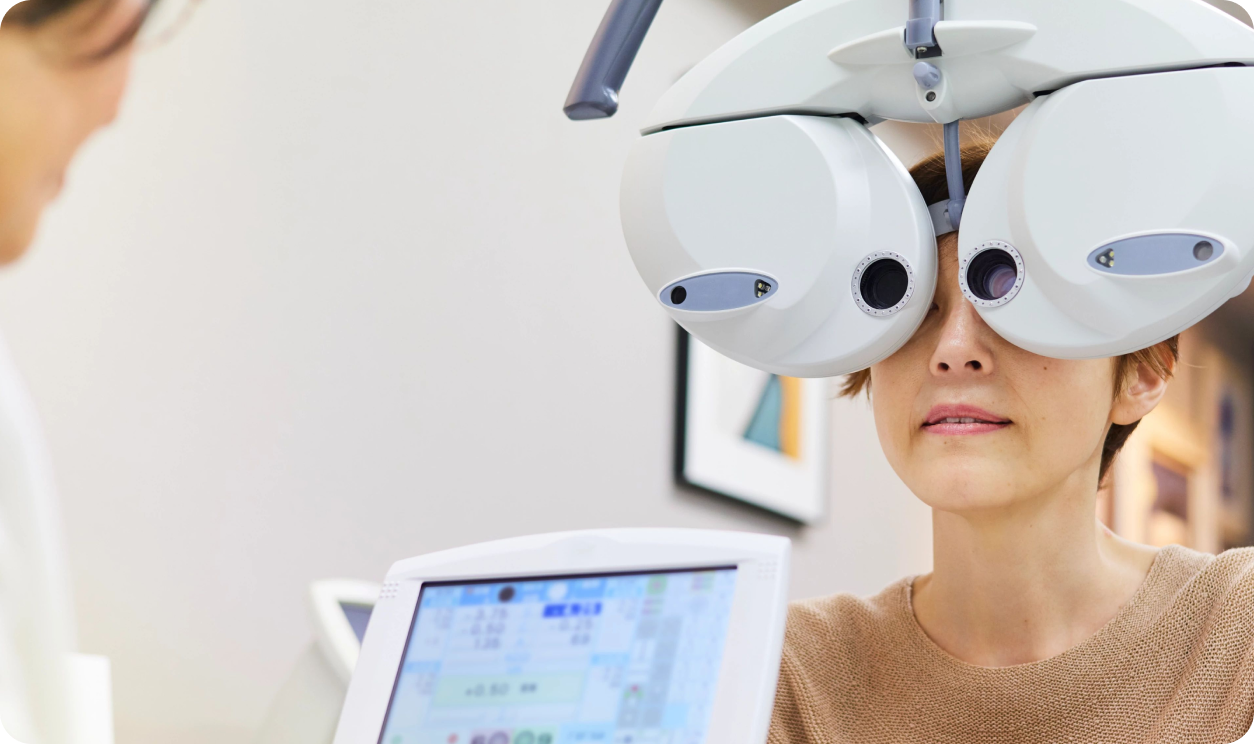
point(616, 659)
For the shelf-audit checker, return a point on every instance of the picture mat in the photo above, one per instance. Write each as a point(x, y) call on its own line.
point(717, 456)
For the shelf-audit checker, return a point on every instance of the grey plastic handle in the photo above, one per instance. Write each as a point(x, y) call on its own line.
point(594, 94)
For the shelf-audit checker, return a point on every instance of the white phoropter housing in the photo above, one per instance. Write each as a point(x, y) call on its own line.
point(771, 223)
point(550, 638)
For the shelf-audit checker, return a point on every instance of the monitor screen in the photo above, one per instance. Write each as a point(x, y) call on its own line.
point(358, 616)
point(605, 659)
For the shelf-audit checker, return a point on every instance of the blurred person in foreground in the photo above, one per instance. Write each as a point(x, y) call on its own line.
point(64, 66)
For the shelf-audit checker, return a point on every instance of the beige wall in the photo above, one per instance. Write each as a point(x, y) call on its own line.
point(342, 287)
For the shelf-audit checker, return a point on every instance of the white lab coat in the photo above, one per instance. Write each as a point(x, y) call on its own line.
point(36, 618)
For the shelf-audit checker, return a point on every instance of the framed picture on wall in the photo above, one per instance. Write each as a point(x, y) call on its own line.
point(750, 435)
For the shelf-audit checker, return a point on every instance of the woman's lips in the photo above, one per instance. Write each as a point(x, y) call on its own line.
point(950, 420)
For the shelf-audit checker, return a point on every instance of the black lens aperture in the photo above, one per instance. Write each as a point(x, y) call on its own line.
point(884, 284)
point(992, 274)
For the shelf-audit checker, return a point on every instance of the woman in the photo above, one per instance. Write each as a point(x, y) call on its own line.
point(63, 69)
point(1037, 623)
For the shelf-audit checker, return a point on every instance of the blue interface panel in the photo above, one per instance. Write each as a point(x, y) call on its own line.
point(616, 659)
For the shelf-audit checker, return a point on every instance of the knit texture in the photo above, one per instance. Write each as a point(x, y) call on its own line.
point(1176, 664)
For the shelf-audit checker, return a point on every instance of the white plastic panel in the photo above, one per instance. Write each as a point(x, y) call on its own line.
point(801, 199)
point(1106, 160)
point(993, 61)
point(91, 690)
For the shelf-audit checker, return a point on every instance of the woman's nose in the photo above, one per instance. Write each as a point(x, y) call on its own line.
point(962, 349)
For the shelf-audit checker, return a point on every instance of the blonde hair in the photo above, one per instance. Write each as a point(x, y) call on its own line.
point(1160, 358)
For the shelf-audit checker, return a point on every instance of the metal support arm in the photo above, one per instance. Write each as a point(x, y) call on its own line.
point(594, 94)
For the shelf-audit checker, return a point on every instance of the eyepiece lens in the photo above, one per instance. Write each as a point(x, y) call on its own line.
point(1203, 250)
point(678, 295)
point(1001, 279)
point(884, 284)
point(992, 275)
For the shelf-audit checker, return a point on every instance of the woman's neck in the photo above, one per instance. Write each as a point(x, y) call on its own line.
point(1025, 582)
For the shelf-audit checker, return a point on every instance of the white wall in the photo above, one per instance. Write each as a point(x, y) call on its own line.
point(343, 286)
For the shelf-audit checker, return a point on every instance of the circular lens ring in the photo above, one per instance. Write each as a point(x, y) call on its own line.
point(883, 284)
point(965, 265)
point(865, 264)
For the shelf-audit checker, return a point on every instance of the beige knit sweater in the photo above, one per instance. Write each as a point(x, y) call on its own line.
point(1176, 664)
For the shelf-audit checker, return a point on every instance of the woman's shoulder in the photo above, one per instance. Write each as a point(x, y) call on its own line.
point(1239, 562)
point(1224, 582)
point(1226, 578)
point(843, 624)
point(840, 653)
point(838, 608)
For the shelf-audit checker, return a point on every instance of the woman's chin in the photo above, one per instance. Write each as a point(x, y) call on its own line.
point(968, 486)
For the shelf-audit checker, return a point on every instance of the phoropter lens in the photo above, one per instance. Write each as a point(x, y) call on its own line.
point(992, 275)
point(884, 284)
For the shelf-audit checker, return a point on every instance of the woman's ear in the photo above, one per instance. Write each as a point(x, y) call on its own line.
point(1140, 395)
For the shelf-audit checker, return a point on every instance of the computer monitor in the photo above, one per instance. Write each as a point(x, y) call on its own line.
point(340, 610)
point(306, 708)
point(599, 637)
point(358, 617)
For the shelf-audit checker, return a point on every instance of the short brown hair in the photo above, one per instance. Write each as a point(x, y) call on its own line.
point(35, 13)
point(1161, 358)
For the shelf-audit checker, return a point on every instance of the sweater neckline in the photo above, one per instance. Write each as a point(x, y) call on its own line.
point(1133, 613)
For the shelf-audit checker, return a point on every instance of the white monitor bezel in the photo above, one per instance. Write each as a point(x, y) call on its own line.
point(748, 674)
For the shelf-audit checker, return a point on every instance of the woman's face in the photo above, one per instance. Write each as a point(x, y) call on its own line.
point(970, 421)
point(52, 97)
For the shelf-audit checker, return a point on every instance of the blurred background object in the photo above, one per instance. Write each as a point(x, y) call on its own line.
point(1186, 475)
point(306, 709)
